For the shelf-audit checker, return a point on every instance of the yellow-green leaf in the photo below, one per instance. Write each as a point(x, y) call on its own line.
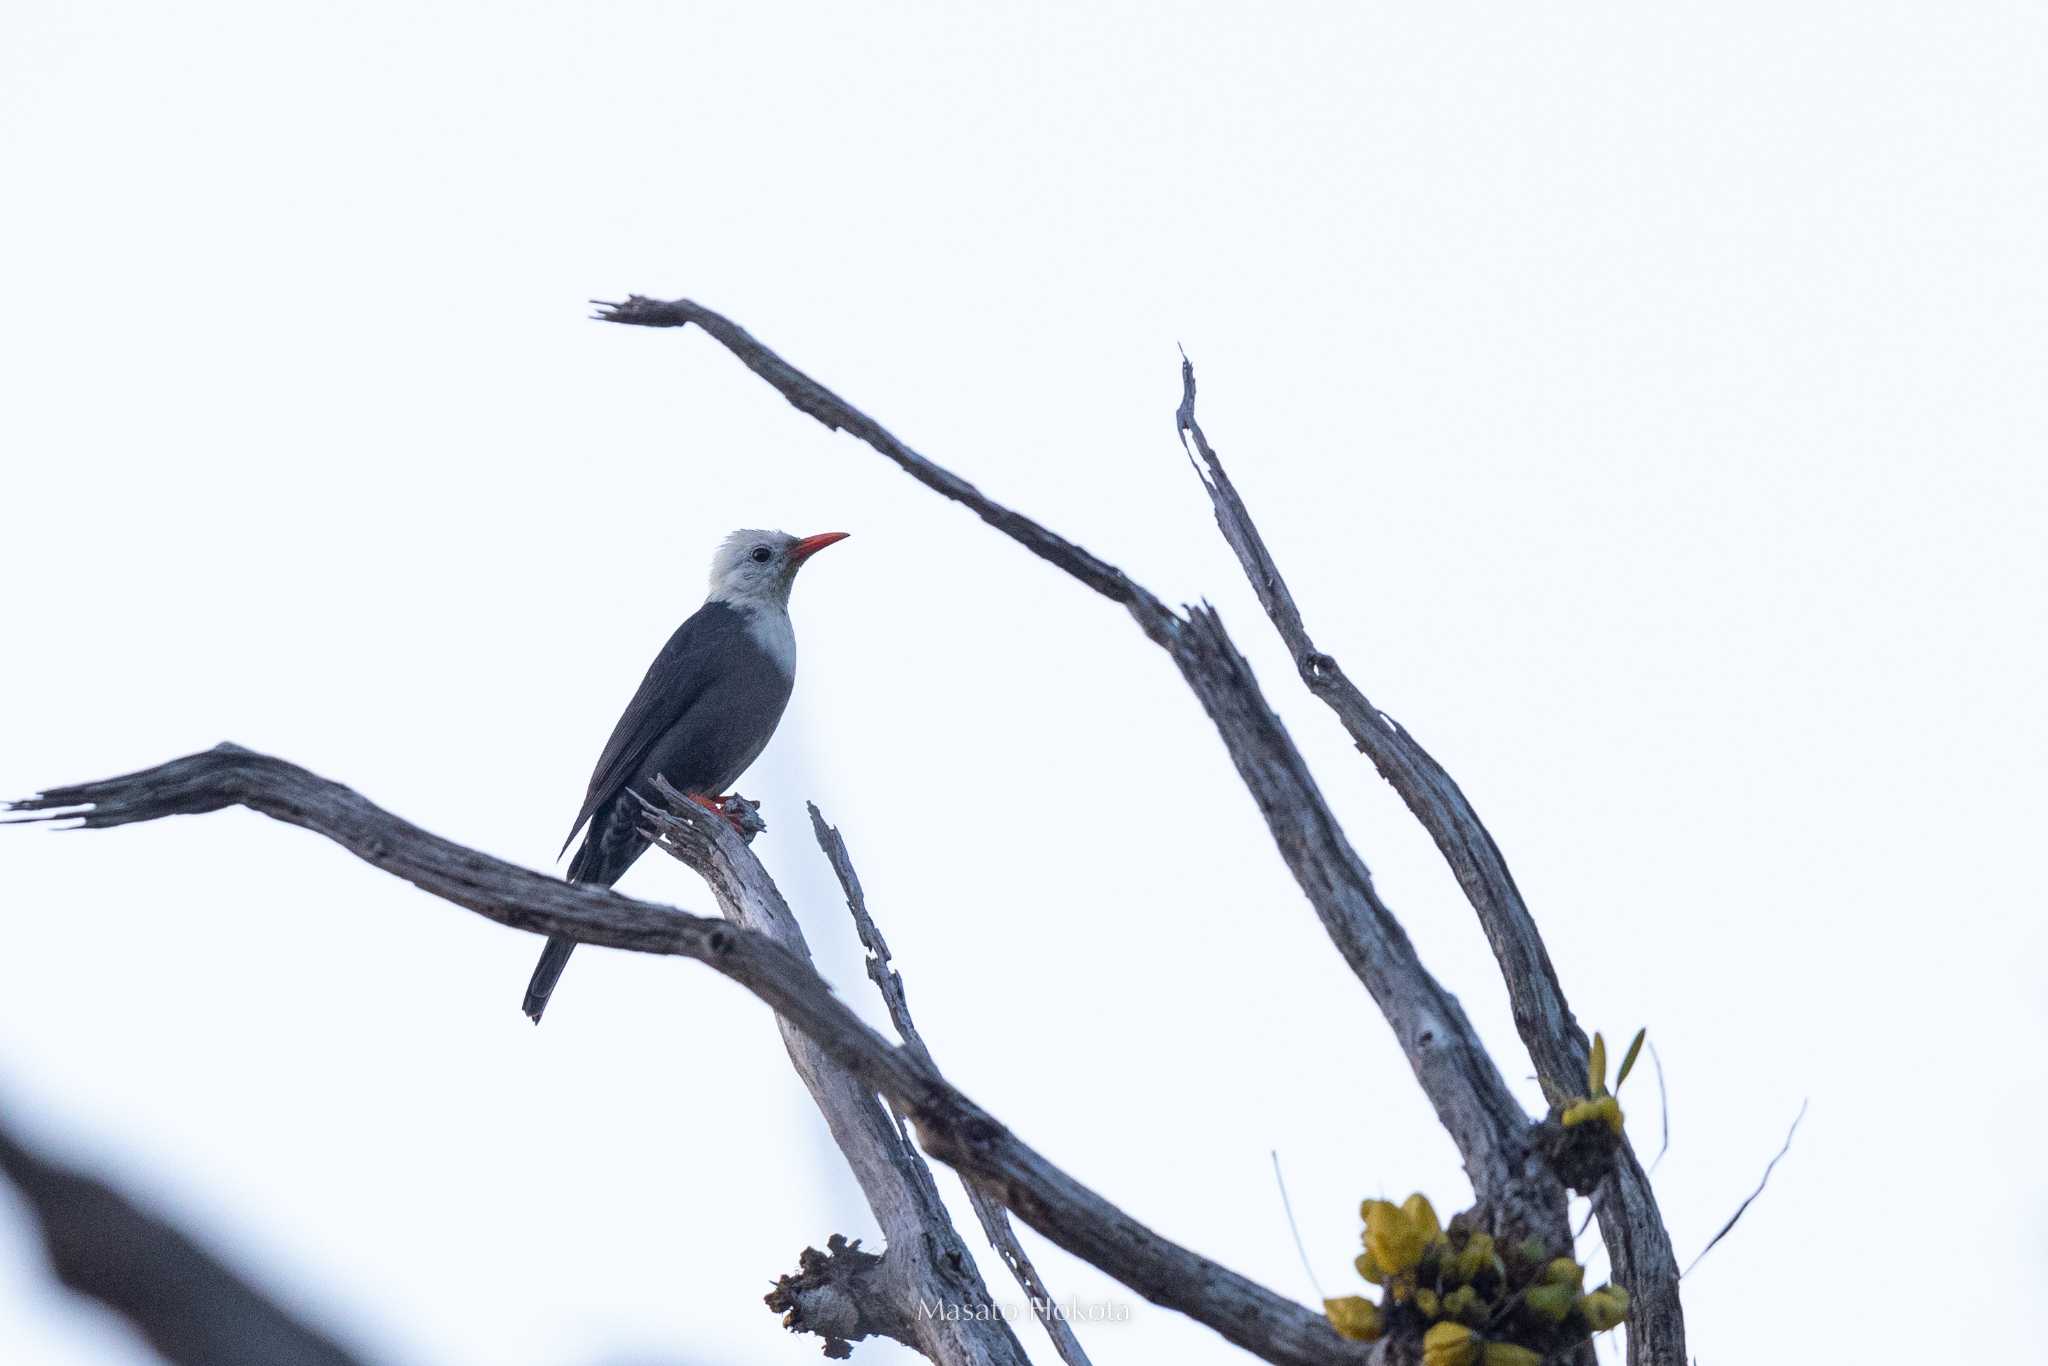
point(1394, 1239)
point(1476, 1257)
point(1354, 1317)
point(1423, 1215)
point(1564, 1271)
point(1549, 1303)
point(1604, 1308)
point(1449, 1344)
point(1464, 1305)
point(1605, 1109)
point(1629, 1061)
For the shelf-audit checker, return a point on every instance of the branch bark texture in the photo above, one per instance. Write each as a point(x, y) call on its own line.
point(924, 1264)
point(1518, 1191)
point(950, 1126)
point(1517, 1195)
point(995, 1220)
point(842, 1295)
point(1637, 1242)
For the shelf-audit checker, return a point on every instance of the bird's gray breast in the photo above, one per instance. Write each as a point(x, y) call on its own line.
point(748, 676)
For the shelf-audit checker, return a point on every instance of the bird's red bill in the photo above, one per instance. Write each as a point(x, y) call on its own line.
point(811, 545)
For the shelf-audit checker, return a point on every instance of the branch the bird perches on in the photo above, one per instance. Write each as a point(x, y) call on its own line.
point(1517, 1190)
point(1459, 1077)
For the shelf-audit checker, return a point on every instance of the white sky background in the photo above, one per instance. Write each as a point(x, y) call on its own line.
point(1647, 409)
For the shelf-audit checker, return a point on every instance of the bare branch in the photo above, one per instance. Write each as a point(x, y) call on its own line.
point(950, 1126)
point(842, 1295)
point(1634, 1229)
point(836, 413)
point(995, 1220)
point(1516, 1194)
point(1553, 1037)
point(924, 1263)
point(193, 1309)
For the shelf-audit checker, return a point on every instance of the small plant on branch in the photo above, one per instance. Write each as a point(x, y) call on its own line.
point(1469, 1300)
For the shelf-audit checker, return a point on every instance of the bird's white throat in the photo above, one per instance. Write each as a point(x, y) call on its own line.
point(768, 626)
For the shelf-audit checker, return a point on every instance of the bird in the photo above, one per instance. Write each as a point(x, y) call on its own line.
point(706, 709)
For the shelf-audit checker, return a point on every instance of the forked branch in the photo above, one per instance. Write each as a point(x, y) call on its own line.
point(950, 1127)
point(995, 1220)
point(1516, 1194)
point(1637, 1242)
point(924, 1263)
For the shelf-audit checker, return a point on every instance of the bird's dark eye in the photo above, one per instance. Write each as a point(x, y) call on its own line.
point(762, 554)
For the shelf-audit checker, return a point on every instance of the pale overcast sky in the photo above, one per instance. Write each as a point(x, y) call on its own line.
point(1647, 407)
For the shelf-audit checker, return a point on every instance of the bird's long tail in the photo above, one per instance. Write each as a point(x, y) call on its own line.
point(608, 850)
point(546, 973)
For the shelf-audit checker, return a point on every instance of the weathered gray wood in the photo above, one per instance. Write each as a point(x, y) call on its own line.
point(1637, 1241)
point(925, 1264)
point(950, 1126)
point(1516, 1193)
point(843, 1295)
point(995, 1220)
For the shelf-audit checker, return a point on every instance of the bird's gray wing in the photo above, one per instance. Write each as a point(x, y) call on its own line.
point(686, 667)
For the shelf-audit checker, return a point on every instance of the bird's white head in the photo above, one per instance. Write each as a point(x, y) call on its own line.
point(756, 568)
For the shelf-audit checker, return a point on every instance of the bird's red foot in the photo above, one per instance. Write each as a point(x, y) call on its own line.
point(742, 814)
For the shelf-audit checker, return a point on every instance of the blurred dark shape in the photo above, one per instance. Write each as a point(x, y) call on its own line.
point(190, 1306)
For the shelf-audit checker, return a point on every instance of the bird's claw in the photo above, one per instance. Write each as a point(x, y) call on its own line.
point(743, 815)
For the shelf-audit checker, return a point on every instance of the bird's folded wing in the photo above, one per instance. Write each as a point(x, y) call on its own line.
point(680, 674)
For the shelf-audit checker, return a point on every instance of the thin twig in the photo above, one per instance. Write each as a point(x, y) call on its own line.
point(995, 1220)
point(1663, 1111)
point(1301, 1249)
point(1742, 1208)
point(1592, 1210)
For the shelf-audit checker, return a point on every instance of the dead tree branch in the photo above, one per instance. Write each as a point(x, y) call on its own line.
point(1518, 1191)
point(1638, 1244)
point(924, 1263)
point(193, 1309)
point(842, 1295)
point(950, 1127)
point(995, 1220)
point(1517, 1194)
